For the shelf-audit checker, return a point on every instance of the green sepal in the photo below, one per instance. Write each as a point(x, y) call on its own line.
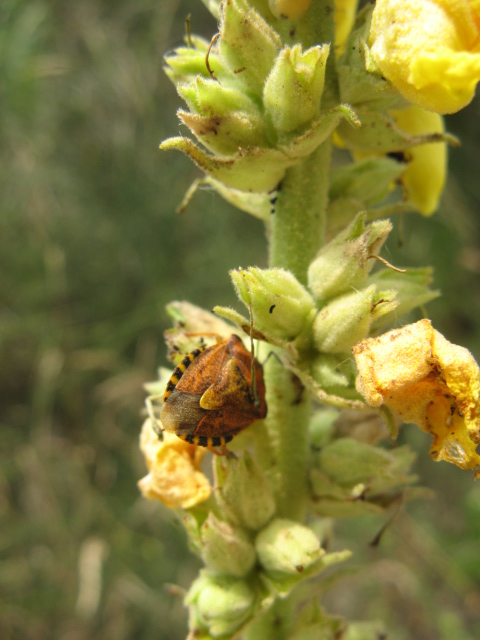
point(294, 87)
point(289, 553)
point(256, 204)
point(248, 44)
point(243, 491)
point(347, 319)
point(257, 169)
point(321, 129)
point(313, 623)
point(224, 134)
point(281, 307)
point(220, 605)
point(185, 63)
point(345, 262)
point(253, 169)
point(369, 181)
point(360, 80)
point(380, 134)
point(412, 291)
point(226, 549)
point(332, 372)
point(354, 478)
point(208, 97)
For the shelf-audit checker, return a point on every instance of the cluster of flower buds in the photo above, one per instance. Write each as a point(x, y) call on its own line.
point(340, 305)
point(250, 555)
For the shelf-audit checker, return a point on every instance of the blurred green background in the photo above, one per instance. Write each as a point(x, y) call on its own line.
point(91, 250)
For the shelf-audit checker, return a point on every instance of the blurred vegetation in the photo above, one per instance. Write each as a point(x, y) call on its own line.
point(91, 250)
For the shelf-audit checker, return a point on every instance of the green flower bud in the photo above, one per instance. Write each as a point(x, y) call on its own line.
point(248, 44)
point(225, 134)
point(313, 623)
point(208, 97)
point(219, 604)
point(281, 306)
point(244, 491)
point(354, 478)
point(332, 372)
point(286, 547)
point(347, 319)
point(294, 88)
point(226, 549)
point(185, 63)
point(255, 169)
point(412, 290)
point(345, 262)
point(348, 462)
point(258, 169)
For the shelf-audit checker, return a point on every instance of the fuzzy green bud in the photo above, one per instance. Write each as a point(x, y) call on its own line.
point(225, 134)
point(294, 88)
point(209, 98)
point(331, 371)
point(345, 262)
point(244, 491)
point(185, 63)
point(219, 604)
point(286, 547)
point(354, 478)
point(281, 306)
point(248, 44)
point(226, 549)
point(347, 319)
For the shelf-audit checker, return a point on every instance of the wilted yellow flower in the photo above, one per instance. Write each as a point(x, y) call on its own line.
point(429, 50)
point(174, 475)
point(424, 177)
point(425, 379)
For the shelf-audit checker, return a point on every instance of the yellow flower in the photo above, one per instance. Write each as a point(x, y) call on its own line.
point(429, 50)
point(425, 379)
point(345, 11)
point(424, 177)
point(174, 475)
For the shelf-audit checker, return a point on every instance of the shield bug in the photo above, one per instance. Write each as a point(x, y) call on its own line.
point(213, 394)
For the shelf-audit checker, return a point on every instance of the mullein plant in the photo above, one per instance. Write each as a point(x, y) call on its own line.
point(282, 85)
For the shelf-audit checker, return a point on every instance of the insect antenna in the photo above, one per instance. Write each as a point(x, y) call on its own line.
point(253, 384)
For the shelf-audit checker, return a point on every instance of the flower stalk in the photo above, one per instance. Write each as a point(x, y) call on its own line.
point(291, 82)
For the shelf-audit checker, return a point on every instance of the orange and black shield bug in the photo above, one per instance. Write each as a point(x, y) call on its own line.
point(211, 395)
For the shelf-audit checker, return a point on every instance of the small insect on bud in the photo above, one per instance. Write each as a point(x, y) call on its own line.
point(213, 394)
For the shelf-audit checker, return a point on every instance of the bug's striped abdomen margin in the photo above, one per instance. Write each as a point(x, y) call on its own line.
point(180, 370)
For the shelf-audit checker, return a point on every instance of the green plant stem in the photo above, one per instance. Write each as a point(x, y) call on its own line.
point(287, 424)
point(298, 224)
point(297, 233)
